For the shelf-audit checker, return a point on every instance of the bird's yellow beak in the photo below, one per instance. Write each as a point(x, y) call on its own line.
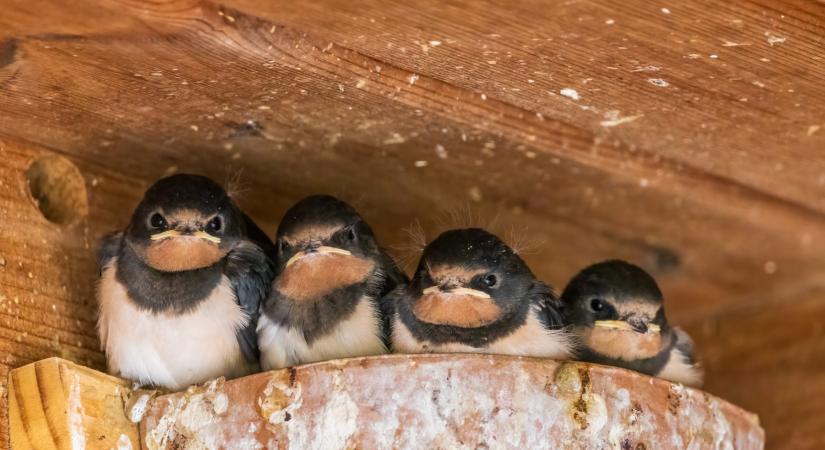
point(456, 291)
point(169, 234)
point(323, 250)
point(622, 325)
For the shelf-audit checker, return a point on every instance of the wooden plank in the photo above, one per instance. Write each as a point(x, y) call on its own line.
point(768, 359)
point(447, 401)
point(738, 65)
point(47, 270)
point(55, 404)
point(586, 192)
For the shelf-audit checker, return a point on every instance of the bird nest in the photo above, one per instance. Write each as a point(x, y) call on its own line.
point(448, 401)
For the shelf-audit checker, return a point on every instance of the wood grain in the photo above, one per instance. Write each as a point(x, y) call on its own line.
point(768, 359)
point(55, 404)
point(693, 148)
point(586, 194)
point(47, 271)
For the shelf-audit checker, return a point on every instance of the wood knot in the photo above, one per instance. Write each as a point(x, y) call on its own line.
point(665, 260)
point(58, 189)
point(249, 128)
point(8, 52)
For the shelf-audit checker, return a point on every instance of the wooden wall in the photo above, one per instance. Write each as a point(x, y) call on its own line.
point(693, 146)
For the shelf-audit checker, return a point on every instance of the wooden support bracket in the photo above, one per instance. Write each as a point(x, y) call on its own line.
point(55, 404)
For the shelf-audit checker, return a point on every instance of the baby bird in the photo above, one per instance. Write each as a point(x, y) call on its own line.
point(325, 301)
point(471, 293)
point(180, 287)
point(616, 311)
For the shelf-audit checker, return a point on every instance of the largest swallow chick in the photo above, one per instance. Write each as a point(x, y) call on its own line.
point(472, 293)
point(325, 300)
point(180, 287)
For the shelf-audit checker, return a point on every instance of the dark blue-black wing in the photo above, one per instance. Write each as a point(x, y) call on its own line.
point(550, 307)
point(109, 247)
point(250, 271)
point(255, 234)
point(685, 345)
point(393, 279)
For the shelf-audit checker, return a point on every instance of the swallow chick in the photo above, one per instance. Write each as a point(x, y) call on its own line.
point(471, 293)
point(180, 287)
point(616, 311)
point(325, 300)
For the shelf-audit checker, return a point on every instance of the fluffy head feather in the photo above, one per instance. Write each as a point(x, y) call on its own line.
point(517, 238)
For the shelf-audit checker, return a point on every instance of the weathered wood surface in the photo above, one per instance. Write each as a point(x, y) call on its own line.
point(694, 147)
point(452, 401)
point(186, 80)
point(55, 404)
point(47, 271)
point(769, 359)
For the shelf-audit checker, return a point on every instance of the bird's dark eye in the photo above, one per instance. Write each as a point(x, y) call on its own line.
point(490, 280)
point(597, 305)
point(351, 234)
point(216, 224)
point(157, 221)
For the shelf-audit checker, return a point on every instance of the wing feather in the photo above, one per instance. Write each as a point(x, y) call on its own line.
point(250, 271)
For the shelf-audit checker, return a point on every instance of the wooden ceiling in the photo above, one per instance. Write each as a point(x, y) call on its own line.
point(688, 137)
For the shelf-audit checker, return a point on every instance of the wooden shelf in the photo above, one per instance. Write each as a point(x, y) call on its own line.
point(394, 401)
point(56, 404)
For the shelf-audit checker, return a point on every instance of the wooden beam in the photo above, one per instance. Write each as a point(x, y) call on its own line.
point(768, 359)
point(259, 87)
point(58, 405)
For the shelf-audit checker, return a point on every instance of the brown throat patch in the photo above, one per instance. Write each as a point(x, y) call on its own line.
point(464, 311)
point(628, 345)
point(314, 276)
point(179, 254)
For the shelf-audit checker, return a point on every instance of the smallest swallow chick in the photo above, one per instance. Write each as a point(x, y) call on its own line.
point(472, 293)
point(616, 311)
